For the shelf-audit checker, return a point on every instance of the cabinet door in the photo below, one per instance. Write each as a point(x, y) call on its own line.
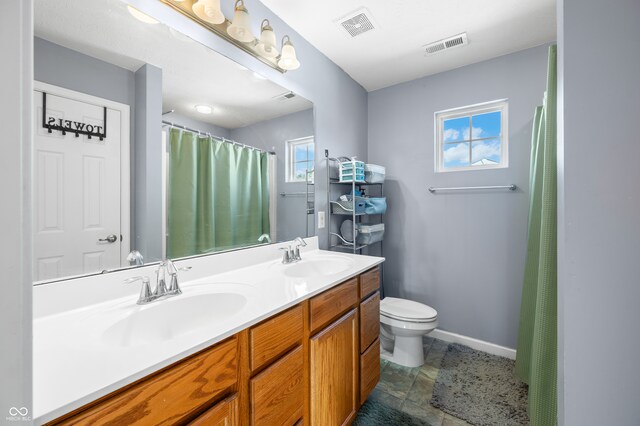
point(334, 372)
point(224, 413)
point(277, 394)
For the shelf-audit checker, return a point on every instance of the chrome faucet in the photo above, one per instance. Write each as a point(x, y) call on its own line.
point(298, 242)
point(292, 253)
point(160, 290)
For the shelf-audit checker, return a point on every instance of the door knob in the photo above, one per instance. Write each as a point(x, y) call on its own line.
point(110, 239)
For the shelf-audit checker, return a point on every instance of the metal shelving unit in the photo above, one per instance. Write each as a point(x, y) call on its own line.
point(336, 241)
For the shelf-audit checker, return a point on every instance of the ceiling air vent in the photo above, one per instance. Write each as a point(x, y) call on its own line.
point(357, 22)
point(447, 43)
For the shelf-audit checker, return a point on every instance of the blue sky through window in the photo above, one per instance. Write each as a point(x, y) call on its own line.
point(472, 140)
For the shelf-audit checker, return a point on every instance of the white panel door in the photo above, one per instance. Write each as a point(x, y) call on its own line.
point(76, 191)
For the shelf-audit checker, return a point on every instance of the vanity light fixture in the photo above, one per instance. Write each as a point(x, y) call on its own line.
point(240, 28)
point(288, 59)
point(267, 45)
point(209, 11)
point(143, 17)
point(204, 109)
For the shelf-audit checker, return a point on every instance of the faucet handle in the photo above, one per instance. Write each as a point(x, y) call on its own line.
point(288, 254)
point(145, 291)
point(174, 288)
point(161, 286)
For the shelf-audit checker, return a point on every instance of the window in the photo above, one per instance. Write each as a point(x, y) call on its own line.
point(472, 137)
point(300, 159)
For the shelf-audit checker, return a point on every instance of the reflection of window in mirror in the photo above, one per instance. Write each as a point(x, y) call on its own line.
point(300, 160)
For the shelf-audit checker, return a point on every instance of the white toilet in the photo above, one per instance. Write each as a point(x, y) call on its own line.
point(402, 325)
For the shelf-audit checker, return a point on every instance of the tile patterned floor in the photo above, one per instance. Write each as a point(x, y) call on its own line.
point(410, 389)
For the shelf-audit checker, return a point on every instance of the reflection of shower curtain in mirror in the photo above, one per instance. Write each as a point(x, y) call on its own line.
point(218, 195)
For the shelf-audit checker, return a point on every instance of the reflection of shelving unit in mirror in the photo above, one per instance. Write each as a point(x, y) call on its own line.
point(343, 211)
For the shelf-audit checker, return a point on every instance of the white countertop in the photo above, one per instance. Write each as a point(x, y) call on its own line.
point(75, 364)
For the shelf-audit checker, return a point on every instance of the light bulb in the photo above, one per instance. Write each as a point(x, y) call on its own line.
point(240, 28)
point(209, 11)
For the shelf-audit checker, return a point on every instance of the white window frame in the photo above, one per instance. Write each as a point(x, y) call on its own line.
point(501, 105)
point(290, 158)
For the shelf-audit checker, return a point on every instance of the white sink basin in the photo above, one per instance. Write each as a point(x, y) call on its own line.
point(167, 319)
point(318, 265)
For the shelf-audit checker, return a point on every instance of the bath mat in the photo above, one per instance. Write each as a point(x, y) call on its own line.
point(480, 388)
point(373, 413)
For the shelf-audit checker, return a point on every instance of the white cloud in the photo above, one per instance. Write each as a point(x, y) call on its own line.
point(451, 135)
point(459, 152)
point(476, 132)
point(485, 150)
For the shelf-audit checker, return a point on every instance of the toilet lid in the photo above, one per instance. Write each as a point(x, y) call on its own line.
point(406, 310)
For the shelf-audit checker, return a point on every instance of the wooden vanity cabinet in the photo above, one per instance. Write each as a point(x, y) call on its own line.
point(276, 353)
point(334, 372)
point(312, 364)
point(224, 413)
point(369, 332)
point(180, 391)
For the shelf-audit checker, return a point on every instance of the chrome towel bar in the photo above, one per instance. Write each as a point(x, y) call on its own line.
point(511, 187)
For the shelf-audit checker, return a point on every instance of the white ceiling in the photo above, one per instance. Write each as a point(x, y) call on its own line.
point(393, 52)
point(192, 73)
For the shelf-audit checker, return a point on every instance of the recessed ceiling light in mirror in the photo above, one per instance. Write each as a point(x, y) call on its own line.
point(143, 17)
point(204, 109)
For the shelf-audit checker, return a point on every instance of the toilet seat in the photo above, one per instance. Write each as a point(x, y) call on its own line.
point(407, 310)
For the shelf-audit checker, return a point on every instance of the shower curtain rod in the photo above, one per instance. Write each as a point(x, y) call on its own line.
point(168, 123)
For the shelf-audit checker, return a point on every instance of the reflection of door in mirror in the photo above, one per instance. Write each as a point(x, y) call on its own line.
point(79, 221)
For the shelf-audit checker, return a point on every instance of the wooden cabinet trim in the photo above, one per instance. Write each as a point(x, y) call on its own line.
point(334, 302)
point(369, 320)
point(275, 337)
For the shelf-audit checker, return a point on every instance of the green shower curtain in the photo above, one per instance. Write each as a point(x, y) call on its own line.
point(218, 195)
point(536, 359)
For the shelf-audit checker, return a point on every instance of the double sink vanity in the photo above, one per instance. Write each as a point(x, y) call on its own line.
point(249, 341)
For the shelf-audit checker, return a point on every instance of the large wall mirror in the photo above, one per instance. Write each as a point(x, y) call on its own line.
point(149, 145)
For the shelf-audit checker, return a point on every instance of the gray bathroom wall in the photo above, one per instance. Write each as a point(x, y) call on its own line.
point(57, 65)
point(271, 135)
point(462, 253)
point(599, 212)
point(16, 50)
point(340, 103)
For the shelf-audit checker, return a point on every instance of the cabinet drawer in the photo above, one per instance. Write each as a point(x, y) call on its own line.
point(333, 303)
point(277, 394)
point(369, 282)
point(174, 393)
point(369, 370)
point(224, 413)
point(369, 320)
point(274, 337)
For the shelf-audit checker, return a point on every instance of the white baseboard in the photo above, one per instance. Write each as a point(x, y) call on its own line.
point(479, 345)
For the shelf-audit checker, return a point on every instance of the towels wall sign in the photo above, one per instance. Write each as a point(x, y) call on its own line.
point(76, 127)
